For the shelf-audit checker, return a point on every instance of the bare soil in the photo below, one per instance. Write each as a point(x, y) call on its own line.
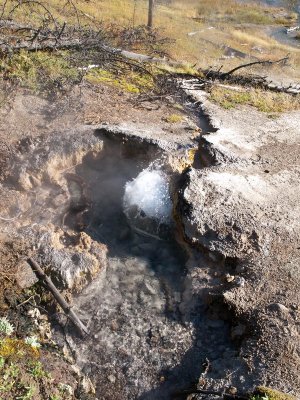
point(247, 143)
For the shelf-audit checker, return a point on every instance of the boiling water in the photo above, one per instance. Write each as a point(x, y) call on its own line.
point(149, 335)
point(133, 310)
point(149, 192)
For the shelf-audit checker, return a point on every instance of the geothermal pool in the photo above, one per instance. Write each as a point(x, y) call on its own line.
point(148, 339)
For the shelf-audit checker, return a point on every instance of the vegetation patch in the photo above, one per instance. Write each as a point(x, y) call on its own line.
point(263, 100)
point(39, 70)
point(235, 12)
point(174, 118)
point(265, 393)
point(22, 374)
point(129, 81)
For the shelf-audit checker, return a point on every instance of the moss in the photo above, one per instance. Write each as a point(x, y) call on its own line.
point(16, 349)
point(192, 154)
point(130, 81)
point(272, 394)
point(23, 376)
point(39, 70)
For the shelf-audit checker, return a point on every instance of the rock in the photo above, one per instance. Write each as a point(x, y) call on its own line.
point(240, 281)
point(149, 289)
point(229, 278)
point(238, 331)
point(85, 389)
point(214, 257)
point(74, 257)
point(59, 200)
point(146, 247)
point(76, 370)
point(87, 385)
point(25, 277)
point(231, 390)
point(111, 378)
point(215, 323)
point(124, 234)
point(280, 309)
point(34, 313)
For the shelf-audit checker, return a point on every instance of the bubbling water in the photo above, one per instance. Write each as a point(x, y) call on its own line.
point(148, 196)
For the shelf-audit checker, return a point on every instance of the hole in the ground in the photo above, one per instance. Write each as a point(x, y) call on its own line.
point(137, 335)
point(151, 321)
point(146, 341)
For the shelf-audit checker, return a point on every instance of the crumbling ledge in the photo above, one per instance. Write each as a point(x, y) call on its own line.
point(245, 206)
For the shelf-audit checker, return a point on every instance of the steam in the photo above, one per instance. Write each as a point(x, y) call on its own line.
point(149, 194)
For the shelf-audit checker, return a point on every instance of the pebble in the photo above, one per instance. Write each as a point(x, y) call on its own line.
point(114, 325)
point(229, 278)
point(149, 288)
point(25, 277)
point(240, 281)
point(111, 378)
point(280, 308)
point(232, 390)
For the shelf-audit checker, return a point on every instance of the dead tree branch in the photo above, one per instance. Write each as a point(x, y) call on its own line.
point(58, 297)
point(264, 62)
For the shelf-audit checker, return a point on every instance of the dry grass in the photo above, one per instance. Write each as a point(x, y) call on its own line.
point(174, 118)
point(231, 21)
point(265, 101)
point(235, 12)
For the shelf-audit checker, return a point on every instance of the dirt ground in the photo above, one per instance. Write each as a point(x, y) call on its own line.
point(245, 206)
point(258, 231)
point(26, 119)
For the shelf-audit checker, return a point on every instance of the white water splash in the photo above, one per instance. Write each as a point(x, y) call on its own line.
point(149, 192)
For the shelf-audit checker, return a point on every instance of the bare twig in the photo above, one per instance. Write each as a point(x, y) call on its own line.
point(25, 301)
point(58, 297)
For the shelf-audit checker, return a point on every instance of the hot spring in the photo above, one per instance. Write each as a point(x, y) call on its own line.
point(144, 341)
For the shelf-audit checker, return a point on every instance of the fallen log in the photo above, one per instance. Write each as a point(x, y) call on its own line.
point(58, 297)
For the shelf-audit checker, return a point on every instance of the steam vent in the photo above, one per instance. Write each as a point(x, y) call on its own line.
point(149, 200)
